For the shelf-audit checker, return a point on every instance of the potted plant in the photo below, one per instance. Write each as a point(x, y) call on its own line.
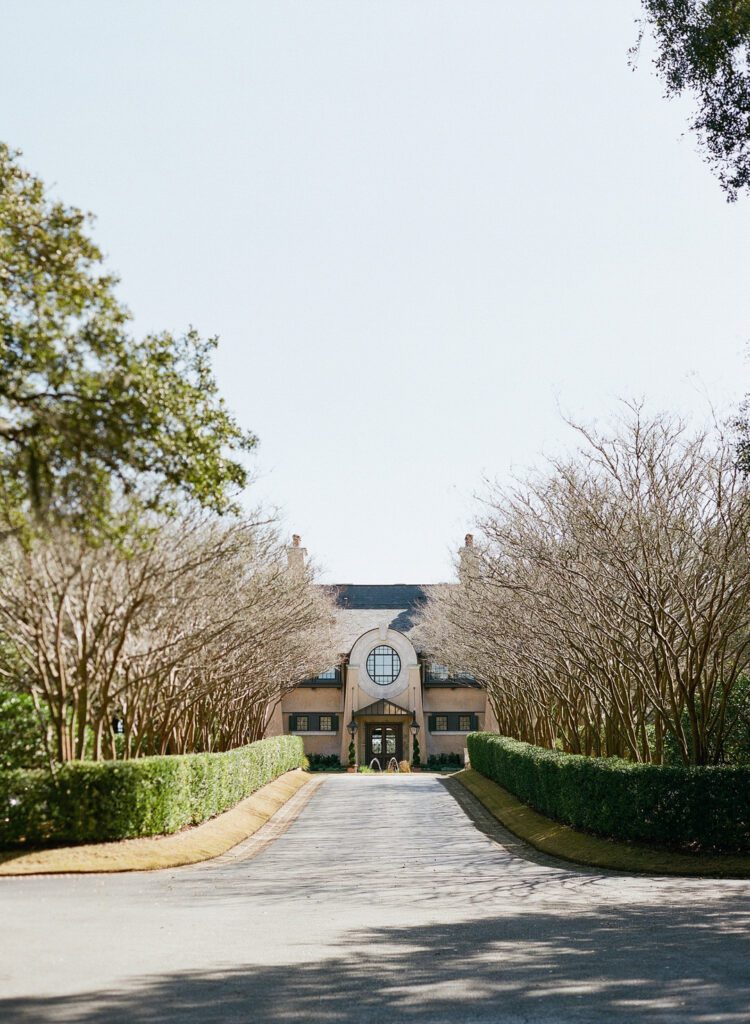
point(352, 757)
point(415, 764)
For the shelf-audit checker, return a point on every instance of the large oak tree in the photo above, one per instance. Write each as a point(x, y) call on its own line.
point(702, 49)
point(93, 418)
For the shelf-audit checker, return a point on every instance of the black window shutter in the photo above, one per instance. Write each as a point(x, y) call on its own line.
point(431, 723)
point(314, 721)
point(292, 723)
point(335, 723)
point(474, 723)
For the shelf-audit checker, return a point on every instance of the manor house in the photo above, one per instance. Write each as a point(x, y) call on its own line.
point(384, 690)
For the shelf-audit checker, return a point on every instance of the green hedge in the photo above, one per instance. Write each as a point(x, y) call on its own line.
point(699, 808)
point(90, 801)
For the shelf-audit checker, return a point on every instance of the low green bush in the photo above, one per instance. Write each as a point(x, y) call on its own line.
point(323, 762)
point(87, 802)
point(698, 808)
point(438, 761)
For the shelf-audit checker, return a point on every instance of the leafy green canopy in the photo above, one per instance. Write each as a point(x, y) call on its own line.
point(703, 48)
point(89, 415)
point(21, 732)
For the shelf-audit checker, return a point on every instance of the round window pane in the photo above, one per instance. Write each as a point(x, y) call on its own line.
point(383, 665)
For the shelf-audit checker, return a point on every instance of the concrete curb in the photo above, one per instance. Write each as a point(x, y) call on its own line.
point(203, 842)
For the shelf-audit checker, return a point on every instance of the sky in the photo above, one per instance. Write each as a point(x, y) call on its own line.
point(423, 230)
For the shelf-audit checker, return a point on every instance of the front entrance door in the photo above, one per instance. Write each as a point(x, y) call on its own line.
point(383, 742)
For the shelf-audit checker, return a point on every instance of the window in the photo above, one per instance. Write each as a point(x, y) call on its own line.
point(302, 724)
point(453, 721)
point(383, 665)
point(438, 671)
point(326, 723)
point(330, 673)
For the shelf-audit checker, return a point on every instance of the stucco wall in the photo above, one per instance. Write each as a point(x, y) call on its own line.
point(446, 698)
point(309, 698)
point(445, 743)
point(321, 743)
point(320, 700)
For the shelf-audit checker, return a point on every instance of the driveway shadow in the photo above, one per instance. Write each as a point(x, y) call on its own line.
point(487, 823)
point(607, 966)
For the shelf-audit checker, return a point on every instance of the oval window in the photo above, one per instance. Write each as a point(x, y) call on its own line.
point(383, 665)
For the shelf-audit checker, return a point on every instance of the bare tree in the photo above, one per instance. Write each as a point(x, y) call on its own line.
point(608, 610)
point(188, 635)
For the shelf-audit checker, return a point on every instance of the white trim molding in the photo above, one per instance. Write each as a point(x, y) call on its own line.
point(401, 645)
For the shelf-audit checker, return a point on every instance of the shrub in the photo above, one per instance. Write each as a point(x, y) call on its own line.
point(404, 766)
point(702, 808)
point(415, 752)
point(87, 802)
point(323, 762)
point(352, 754)
point(437, 762)
point(21, 732)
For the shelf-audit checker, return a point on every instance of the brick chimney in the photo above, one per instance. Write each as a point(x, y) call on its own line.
point(467, 558)
point(295, 553)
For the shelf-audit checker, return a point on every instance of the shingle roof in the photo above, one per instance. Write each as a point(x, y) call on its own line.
point(367, 606)
point(362, 607)
point(379, 595)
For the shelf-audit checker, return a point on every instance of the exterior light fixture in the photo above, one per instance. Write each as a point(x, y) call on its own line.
point(414, 724)
point(352, 727)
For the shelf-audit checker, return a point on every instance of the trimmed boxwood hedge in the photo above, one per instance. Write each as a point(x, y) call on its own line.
point(699, 808)
point(87, 802)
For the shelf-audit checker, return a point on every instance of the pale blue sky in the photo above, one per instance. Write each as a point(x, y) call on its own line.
point(419, 228)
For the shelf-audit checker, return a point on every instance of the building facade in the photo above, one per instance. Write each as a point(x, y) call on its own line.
point(383, 690)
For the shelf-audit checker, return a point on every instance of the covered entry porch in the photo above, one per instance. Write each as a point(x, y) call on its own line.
point(383, 732)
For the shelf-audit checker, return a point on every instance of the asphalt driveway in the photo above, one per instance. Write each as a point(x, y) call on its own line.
point(385, 901)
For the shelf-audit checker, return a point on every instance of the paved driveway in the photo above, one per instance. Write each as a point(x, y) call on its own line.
point(383, 902)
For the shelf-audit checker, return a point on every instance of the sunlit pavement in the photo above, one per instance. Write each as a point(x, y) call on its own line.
point(383, 902)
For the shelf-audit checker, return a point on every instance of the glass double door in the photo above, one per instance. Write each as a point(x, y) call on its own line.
point(384, 742)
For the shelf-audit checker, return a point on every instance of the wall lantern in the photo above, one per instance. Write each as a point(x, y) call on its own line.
point(352, 727)
point(414, 724)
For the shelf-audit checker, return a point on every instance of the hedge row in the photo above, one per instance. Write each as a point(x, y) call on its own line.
point(698, 808)
point(88, 802)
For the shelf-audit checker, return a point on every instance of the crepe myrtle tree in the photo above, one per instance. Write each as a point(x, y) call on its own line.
point(94, 420)
point(249, 630)
point(607, 611)
point(187, 635)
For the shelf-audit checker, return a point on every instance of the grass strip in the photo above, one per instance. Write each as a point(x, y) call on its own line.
point(190, 846)
point(569, 844)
